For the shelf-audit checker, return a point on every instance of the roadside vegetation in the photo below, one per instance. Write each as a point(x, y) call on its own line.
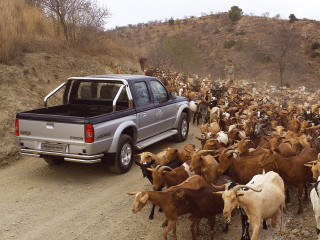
point(40, 26)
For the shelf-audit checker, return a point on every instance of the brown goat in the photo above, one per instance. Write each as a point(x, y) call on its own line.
point(293, 171)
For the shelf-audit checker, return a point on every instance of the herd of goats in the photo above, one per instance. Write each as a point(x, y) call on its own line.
point(257, 140)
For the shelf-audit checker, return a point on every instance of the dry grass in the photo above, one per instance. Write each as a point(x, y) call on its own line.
point(24, 28)
point(21, 27)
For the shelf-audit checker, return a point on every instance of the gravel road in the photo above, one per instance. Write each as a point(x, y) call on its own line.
point(76, 201)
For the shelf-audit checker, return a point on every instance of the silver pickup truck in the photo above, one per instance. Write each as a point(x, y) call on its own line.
point(103, 118)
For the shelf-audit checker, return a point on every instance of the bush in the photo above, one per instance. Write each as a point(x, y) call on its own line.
point(240, 33)
point(229, 44)
point(292, 18)
point(230, 29)
point(216, 31)
point(315, 54)
point(315, 45)
point(235, 14)
point(171, 21)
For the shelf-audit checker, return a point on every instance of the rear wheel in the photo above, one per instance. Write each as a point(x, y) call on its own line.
point(53, 160)
point(183, 128)
point(124, 155)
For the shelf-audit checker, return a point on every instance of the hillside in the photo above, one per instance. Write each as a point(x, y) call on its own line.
point(256, 51)
point(28, 79)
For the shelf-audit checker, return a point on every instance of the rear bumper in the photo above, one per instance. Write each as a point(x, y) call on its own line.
point(67, 156)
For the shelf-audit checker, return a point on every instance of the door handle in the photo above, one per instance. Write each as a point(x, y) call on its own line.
point(143, 114)
point(158, 110)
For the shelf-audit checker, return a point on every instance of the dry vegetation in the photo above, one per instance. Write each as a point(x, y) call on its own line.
point(255, 44)
point(24, 28)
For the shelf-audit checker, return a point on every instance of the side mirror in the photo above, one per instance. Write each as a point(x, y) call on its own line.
point(173, 95)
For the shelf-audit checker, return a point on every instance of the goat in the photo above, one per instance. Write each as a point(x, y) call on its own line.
point(165, 200)
point(202, 204)
point(293, 171)
point(207, 166)
point(147, 173)
point(315, 200)
point(267, 202)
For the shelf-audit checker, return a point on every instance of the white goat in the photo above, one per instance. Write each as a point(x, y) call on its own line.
point(315, 200)
point(265, 203)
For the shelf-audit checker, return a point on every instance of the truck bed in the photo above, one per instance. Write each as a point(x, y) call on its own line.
point(76, 110)
point(77, 113)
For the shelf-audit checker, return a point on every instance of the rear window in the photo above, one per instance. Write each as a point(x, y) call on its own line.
point(96, 91)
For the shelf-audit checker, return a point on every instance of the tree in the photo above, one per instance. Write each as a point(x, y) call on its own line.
point(292, 18)
point(235, 14)
point(171, 21)
point(282, 47)
point(76, 15)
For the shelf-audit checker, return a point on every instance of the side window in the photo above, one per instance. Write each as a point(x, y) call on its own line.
point(142, 95)
point(159, 92)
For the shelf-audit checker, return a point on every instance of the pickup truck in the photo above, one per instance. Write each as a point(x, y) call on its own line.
point(103, 118)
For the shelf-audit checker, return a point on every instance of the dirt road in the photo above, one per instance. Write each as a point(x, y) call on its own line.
point(76, 201)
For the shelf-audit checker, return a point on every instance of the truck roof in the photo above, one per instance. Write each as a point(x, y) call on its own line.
point(127, 77)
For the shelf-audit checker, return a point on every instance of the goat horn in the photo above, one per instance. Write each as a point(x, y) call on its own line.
point(308, 165)
point(151, 169)
point(157, 167)
point(315, 161)
point(232, 151)
point(132, 193)
point(206, 151)
point(162, 168)
point(236, 188)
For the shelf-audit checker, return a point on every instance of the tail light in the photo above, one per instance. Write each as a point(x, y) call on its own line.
point(89, 133)
point(17, 127)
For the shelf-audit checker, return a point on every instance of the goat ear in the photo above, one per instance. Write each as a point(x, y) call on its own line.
point(152, 162)
point(240, 194)
point(308, 165)
point(151, 169)
point(179, 194)
point(138, 155)
point(144, 198)
point(136, 162)
point(132, 193)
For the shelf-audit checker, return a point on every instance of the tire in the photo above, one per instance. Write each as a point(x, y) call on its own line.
point(52, 160)
point(183, 128)
point(124, 155)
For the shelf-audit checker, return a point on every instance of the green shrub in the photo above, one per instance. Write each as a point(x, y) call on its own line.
point(315, 54)
point(216, 31)
point(240, 33)
point(235, 14)
point(229, 44)
point(292, 18)
point(315, 45)
point(171, 21)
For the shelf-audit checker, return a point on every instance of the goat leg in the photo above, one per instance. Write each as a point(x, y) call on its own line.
point(245, 225)
point(264, 223)
point(287, 194)
point(305, 199)
point(171, 225)
point(211, 221)
point(165, 223)
point(152, 211)
point(300, 210)
point(194, 227)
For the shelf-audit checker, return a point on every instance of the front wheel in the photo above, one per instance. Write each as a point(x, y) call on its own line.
point(183, 128)
point(124, 155)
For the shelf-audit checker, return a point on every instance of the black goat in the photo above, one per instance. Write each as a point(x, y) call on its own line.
point(148, 174)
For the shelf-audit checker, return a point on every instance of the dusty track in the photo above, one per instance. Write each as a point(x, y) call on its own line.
point(75, 201)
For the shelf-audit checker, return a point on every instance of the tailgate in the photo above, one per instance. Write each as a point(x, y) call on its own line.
point(55, 132)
